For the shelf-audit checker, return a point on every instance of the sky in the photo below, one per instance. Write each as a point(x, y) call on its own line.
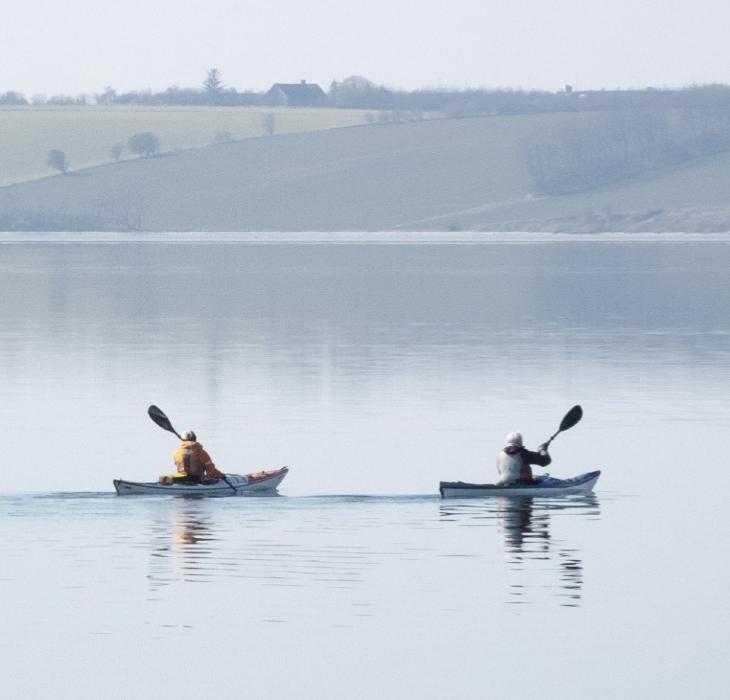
point(81, 46)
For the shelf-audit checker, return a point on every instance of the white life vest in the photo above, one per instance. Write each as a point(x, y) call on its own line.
point(509, 467)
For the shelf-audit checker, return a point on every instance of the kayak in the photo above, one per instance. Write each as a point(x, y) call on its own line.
point(544, 485)
point(257, 482)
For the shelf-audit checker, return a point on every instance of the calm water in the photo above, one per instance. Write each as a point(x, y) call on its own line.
point(373, 371)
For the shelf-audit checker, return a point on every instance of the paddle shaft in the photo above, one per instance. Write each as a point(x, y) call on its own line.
point(552, 437)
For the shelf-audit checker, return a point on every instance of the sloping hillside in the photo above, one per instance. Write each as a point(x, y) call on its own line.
point(368, 177)
point(428, 175)
point(694, 197)
point(86, 134)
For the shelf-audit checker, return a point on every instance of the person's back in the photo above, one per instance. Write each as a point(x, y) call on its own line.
point(192, 461)
point(514, 460)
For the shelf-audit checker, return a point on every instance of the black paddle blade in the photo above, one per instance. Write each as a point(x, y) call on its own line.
point(159, 417)
point(571, 418)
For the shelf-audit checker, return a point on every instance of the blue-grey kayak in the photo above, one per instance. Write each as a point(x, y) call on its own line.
point(542, 486)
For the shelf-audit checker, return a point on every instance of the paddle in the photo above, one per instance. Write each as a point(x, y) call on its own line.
point(159, 417)
point(569, 420)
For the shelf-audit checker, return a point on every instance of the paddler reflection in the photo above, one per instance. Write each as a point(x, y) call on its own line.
point(525, 527)
point(182, 544)
point(533, 554)
point(520, 525)
point(191, 528)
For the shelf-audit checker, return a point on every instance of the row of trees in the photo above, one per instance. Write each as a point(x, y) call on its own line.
point(360, 93)
point(144, 145)
point(123, 212)
point(591, 150)
point(147, 144)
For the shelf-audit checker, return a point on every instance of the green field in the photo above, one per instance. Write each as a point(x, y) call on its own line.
point(86, 134)
point(693, 197)
point(367, 177)
point(436, 174)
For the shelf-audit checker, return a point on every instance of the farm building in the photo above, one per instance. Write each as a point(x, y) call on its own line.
point(301, 94)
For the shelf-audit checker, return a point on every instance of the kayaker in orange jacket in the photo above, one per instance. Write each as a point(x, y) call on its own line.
point(192, 461)
point(514, 460)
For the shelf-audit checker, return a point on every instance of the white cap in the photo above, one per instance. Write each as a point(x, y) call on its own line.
point(189, 435)
point(513, 439)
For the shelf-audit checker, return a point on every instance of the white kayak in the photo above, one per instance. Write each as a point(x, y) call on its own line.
point(237, 484)
point(542, 486)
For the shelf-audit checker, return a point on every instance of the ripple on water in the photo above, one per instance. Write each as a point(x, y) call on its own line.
point(338, 543)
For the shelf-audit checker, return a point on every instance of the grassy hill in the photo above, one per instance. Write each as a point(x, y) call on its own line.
point(693, 197)
point(427, 175)
point(86, 134)
point(376, 176)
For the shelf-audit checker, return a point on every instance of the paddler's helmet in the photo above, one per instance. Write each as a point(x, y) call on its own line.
point(189, 435)
point(514, 439)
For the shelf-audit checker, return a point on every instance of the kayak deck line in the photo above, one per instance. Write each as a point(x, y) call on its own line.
point(236, 484)
point(543, 486)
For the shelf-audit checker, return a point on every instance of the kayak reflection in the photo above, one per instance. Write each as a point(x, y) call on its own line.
point(525, 527)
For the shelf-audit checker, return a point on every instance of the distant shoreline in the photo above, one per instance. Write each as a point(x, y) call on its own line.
point(357, 237)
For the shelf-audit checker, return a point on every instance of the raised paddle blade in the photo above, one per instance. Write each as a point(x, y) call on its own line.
point(159, 417)
point(571, 418)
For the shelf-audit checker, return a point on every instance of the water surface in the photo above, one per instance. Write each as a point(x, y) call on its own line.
point(373, 371)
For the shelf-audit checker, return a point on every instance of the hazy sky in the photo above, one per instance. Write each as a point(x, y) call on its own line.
point(73, 46)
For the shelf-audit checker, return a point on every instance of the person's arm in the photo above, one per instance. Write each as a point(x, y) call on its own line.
point(210, 469)
point(541, 457)
point(213, 473)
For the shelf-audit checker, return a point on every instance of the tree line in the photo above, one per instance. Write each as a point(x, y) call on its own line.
point(601, 148)
point(146, 144)
point(123, 212)
point(356, 92)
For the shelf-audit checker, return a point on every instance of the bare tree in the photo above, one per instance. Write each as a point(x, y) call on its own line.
point(13, 98)
point(57, 160)
point(107, 97)
point(213, 85)
point(268, 122)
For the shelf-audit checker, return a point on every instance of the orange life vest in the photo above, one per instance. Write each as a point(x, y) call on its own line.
point(192, 460)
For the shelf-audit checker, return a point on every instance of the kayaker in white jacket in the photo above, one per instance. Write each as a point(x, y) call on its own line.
point(514, 460)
